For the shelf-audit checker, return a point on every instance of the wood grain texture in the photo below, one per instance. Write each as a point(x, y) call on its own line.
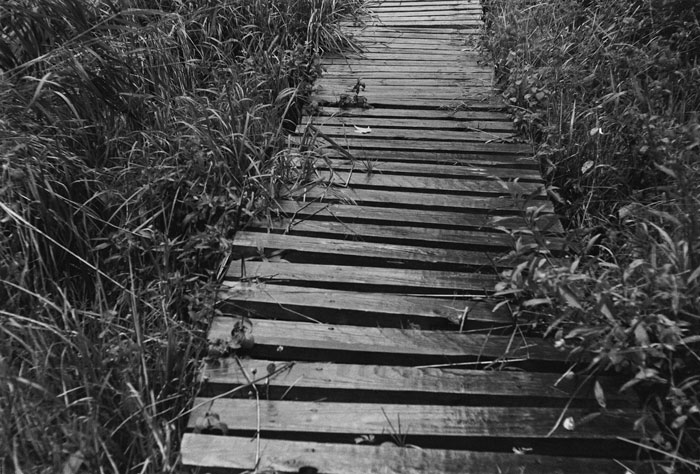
point(476, 187)
point(237, 454)
point(385, 309)
point(435, 201)
point(431, 218)
point(382, 383)
point(491, 242)
point(423, 420)
point(409, 280)
point(380, 132)
point(431, 146)
point(249, 244)
point(417, 344)
point(409, 124)
point(456, 170)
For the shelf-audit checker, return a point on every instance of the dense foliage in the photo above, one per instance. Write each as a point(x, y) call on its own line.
point(136, 136)
point(608, 90)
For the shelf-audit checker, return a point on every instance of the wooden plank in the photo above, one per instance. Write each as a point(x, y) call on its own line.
point(419, 200)
point(426, 114)
point(471, 158)
point(411, 23)
point(443, 146)
point(409, 125)
point(252, 243)
point(410, 122)
point(358, 308)
point(464, 8)
point(409, 55)
point(349, 82)
point(357, 73)
point(381, 383)
point(405, 235)
point(421, 169)
point(417, 281)
point(330, 92)
point(441, 219)
point(310, 341)
point(493, 242)
point(427, 18)
point(448, 52)
point(379, 100)
point(408, 47)
point(475, 187)
point(531, 424)
point(381, 133)
point(405, 64)
point(218, 454)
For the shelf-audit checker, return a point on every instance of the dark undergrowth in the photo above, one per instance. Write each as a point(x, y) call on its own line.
point(608, 91)
point(137, 135)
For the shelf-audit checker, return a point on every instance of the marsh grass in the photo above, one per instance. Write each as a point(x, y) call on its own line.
point(608, 91)
point(137, 136)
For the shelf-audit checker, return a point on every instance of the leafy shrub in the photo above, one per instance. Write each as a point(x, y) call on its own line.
point(608, 91)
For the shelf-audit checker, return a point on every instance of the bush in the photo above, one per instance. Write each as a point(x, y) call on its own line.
point(137, 137)
point(608, 92)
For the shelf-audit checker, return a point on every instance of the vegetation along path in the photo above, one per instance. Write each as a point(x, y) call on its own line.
point(362, 306)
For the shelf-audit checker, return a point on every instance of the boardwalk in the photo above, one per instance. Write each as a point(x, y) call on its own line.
point(376, 345)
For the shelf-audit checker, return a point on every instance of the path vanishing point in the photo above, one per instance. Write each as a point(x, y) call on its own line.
point(377, 348)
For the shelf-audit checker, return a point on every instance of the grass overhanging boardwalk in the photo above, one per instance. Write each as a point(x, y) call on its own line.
point(368, 292)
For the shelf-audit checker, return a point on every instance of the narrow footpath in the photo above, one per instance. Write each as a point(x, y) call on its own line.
point(363, 304)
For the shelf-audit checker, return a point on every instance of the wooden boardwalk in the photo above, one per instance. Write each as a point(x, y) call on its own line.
point(375, 345)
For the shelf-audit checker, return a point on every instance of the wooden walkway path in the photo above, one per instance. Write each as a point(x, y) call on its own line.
point(374, 344)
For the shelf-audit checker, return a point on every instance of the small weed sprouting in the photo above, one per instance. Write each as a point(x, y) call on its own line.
point(608, 91)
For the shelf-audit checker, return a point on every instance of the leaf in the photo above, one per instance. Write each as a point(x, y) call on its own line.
point(587, 166)
point(521, 450)
point(599, 394)
point(569, 423)
point(569, 297)
point(73, 463)
point(362, 130)
point(640, 334)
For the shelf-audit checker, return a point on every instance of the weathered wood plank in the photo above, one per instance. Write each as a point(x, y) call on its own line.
point(424, 114)
point(407, 280)
point(475, 187)
point(379, 100)
point(398, 82)
point(442, 146)
point(424, 420)
point(410, 55)
point(406, 64)
point(420, 169)
point(406, 235)
point(356, 73)
point(358, 308)
point(216, 455)
point(420, 200)
point(466, 8)
point(311, 341)
point(381, 133)
point(409, 124)
point(381, 383)
point(249, 244)
point(431, 218)
point(493, 242)
point(469, 158)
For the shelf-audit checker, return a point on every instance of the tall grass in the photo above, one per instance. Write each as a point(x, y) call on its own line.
point(608, 91)
point(137, 136)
